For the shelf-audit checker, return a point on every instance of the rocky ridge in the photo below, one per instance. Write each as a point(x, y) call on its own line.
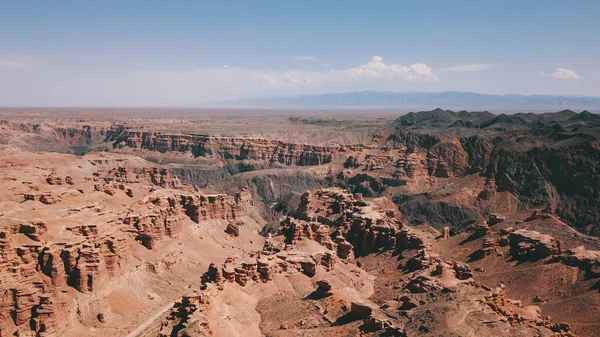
point(226, 147)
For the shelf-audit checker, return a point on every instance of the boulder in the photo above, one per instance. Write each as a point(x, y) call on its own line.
point(495, 219)
point(481, 229)
point(463, 271)
point(233, 228)
point(48, 199)
point(361, 309)
point(323, 288)
point(532, 245)
point(33, 230)
point(53, 179)
point(407, 303)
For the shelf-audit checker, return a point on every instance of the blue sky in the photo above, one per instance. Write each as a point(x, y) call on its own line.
point(145, 53)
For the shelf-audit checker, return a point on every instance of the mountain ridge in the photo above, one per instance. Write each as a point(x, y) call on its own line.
point(418, 100)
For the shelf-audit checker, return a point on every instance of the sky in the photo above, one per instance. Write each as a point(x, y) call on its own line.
point(187, 53)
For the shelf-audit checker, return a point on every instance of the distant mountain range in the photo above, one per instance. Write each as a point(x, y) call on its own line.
point(420, 100)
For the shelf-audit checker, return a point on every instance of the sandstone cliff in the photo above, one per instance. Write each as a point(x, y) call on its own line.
point(226, 147)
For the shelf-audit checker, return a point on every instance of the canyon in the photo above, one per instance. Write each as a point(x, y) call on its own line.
point(286, 223)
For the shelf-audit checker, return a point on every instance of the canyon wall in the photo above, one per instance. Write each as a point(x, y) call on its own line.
point(237, 148)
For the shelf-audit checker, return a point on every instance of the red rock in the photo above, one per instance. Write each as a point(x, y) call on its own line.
point(360, 309)
point(324, 288)
point(227, 147)
point(233, 228)
point(529, 245)
point(53, 179)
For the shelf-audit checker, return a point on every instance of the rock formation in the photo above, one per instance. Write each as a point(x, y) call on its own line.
point(57, 262)
point(99, 242)
point(225, 147)
point(527, 245)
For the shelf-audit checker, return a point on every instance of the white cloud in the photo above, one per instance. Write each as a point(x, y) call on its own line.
point(17, 62)
point(562, 74)
point(304, 58)
point(374, 69)
point(377, 69)
point(230, 82)
point(325, 65)
point(470, 67)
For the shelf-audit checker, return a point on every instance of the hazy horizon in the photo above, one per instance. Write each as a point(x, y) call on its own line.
point(319, 102)
point(152, 53)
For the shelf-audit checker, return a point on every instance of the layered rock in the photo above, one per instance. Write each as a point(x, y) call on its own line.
point(361, 226)
point(263, 268)
point(41, 259)
point(460, 173)
point(33, 230)
point(326, 205)
point(188, 313)
point(532, 245)
point(217, 206)
point(49, 199)
point(587, 260)
point(233, 228)
point(54, 179)
point(33, 274)
point(295, 230)
point(226, 147)
point(161, 218)
point(161, 177)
